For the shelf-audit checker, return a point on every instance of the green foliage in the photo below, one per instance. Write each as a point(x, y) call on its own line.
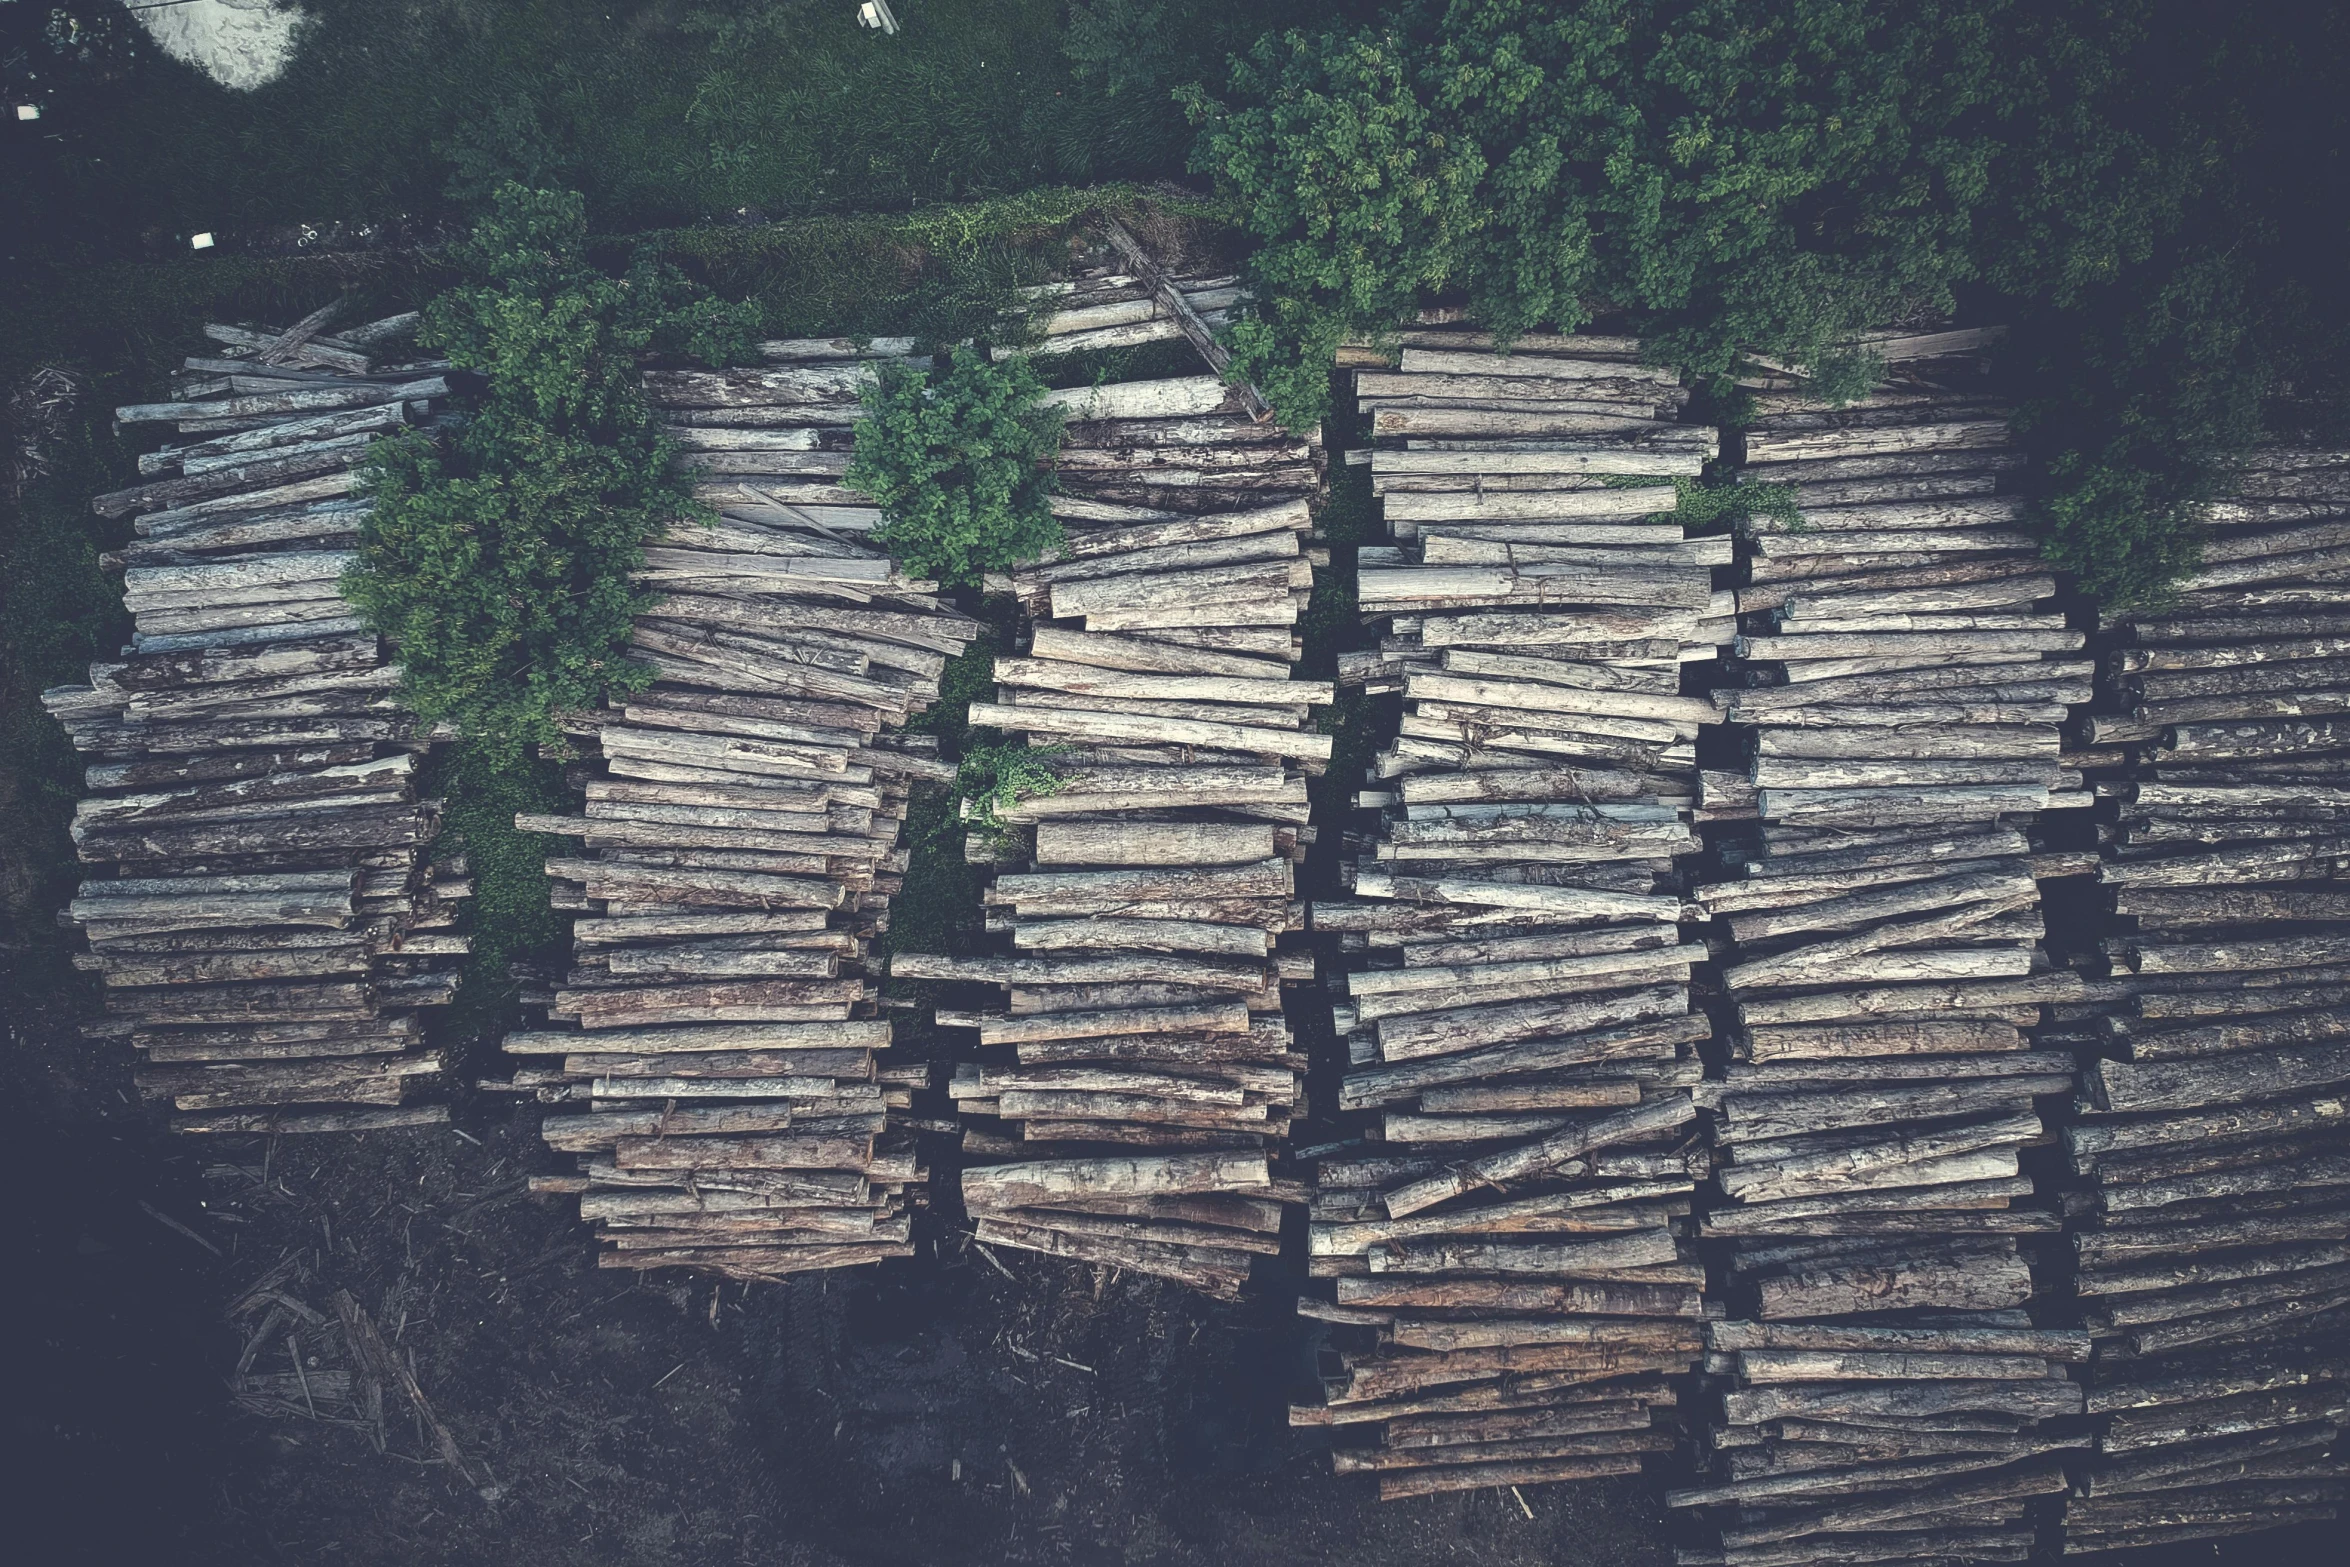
point(1339, 167)
point(2156, 193)
point(960, 465)
point(501, 568)
point(2236, 332)
point(1700, 504)
point(2147, 395)
point(509, 915)
point(994, 778)
point(1770, 175)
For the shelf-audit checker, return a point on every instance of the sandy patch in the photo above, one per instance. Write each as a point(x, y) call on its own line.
point(242, 44)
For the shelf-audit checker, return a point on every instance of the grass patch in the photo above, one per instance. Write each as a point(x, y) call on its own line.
point(661, 113)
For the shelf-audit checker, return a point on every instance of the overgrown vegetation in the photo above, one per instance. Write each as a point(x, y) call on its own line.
point(959, 462)
point(1770, 176)
point(500, 564)
point(1700, 503)
point(509, 915)
point(994, 778)
point(2155, 188)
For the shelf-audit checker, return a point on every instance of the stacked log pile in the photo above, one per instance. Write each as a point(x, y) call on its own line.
point(1103, 308)
point(1909, 670)
point(260, 906)
point(1512, 1300)
point(2212, 1146)
point(1882, 1389)
point(1133, 1089)
point(740, 829)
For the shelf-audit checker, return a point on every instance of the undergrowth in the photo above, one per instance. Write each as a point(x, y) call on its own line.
point(1702, 503)
point(509, 916)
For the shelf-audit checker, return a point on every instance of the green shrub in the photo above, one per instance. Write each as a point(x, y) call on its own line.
point(500, 566)
point(960, 465)
point(1338, 165)
point(994, 778)
point(1699, 504)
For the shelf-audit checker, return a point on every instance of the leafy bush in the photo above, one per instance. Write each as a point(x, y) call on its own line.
point(1699, 504)
point(960, 466)
point(994, 778)
point(2143, 399)
point(1361, 203)
point(500, 567)
point(1773, 175)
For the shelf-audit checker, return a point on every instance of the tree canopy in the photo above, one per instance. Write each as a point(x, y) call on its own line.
point(1776, 176)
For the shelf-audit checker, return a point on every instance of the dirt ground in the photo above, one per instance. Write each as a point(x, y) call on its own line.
point(956, 1408)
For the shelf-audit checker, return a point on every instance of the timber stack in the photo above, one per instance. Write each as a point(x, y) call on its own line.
point(718, 1031)
point(1140, 1076)
point(1108, 308)
point(260, 908)
point(2212, 1147)
point(1510, 1299)
point(1882, 1389)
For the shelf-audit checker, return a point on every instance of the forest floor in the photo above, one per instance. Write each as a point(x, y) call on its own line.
point(960, 1407)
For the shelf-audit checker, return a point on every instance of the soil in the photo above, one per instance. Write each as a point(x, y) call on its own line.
point(960, 1407)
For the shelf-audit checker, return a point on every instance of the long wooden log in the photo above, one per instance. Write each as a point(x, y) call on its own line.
point(1668, 1112)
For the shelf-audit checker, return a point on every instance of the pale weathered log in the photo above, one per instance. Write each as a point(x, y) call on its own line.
point(1040, 1183)
point(1646, 1120)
